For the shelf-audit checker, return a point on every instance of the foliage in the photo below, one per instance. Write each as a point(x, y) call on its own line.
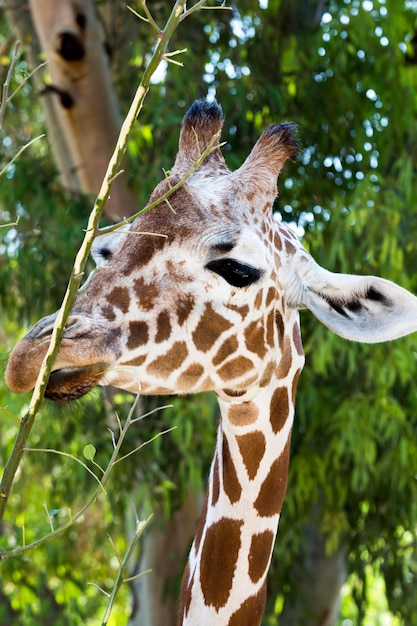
point(346, 75)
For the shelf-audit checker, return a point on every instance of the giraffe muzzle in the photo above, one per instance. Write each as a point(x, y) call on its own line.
point(68, 384)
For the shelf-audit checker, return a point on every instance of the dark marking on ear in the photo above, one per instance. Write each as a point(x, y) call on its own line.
point(357, 302)
point(377, 296)
point(336, 305)
point(354, 305)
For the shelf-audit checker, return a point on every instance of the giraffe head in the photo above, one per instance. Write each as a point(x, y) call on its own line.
point(201, 292)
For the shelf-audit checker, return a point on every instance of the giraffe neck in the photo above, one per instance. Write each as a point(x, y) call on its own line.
point(225, 579)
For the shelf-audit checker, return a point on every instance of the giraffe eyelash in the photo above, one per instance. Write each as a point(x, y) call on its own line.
point(235, 273)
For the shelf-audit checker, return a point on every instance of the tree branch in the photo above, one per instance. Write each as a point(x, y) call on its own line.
point(4, 96)
point(177, 14)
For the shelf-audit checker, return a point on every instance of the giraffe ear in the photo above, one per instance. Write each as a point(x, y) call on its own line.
point(361, 308)
point(202, 122)
point(263, 165)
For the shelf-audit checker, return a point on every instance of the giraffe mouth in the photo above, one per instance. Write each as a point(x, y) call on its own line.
point(71, 383)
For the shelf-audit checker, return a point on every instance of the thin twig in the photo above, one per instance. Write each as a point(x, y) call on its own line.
point(140, 446)
point(98, 490)
point(10, 225)
point(150, 19)
point(120, 578)
point(4, 95)
point(25, 80)
point(19, 152)
point(71, 456)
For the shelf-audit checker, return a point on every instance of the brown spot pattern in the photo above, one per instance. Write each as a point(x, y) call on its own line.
point(279, 408)
point(251, 611)
point(107, 311)
point(278, 242)
point(186, 595)
point(190, 376)
point(270, 328)
point(242, 310)
point(259, 555)
point(271, 495)
point(254, 338)
point(231, 484)
point(258, 300)
point(243, 414)
point(235, 368)
point(290, 248)
point(136, 361)
point(226, 349)
point(138, 334)
point(267, 373)
point(252, 449)
point(270, 296)
point(281, 330)
point(234, 393)
point(209, 328)
point(146, 294)
point(218, 561)
point(120, 298)
point(216, 481)
point(147, 245)
point(165, 364)
point(203, 516)
point(163, 327)
point(286, 360)
point(184, 307)
point(294, 385)
point(297, 339)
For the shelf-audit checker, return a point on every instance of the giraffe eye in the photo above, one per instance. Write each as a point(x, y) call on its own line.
point(235, 273)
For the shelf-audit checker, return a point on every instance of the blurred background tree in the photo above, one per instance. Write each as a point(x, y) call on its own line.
point(345, 71)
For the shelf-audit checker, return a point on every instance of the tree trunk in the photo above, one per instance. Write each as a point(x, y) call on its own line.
point(165, 551)
point(81, 97)
point(20, 18)
point(316, 595)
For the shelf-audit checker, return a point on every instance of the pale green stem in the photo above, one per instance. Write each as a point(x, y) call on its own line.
point(82, 256)
point(120, 578)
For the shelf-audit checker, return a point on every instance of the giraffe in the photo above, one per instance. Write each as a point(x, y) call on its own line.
point(214, 305)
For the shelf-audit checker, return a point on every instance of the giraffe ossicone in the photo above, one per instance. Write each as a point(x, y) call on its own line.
point(213, 305)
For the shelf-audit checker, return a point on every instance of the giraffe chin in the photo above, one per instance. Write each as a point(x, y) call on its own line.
point(71, 383)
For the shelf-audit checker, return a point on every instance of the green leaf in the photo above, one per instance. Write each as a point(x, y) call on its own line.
point(89, 452)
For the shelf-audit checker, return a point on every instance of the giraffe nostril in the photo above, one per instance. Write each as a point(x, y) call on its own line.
point(77, 327)
point(46, 331)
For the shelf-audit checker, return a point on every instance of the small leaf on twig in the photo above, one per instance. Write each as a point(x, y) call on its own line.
point(89, 452)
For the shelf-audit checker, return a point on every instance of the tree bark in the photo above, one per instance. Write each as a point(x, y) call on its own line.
point(81, 97)
point(20, 18)
point(315, 600)
point(165, 551)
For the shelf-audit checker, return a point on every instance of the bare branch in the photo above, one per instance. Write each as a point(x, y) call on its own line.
point(4, 96)
point(120, 578)
point(82, 257)
point(19, 152)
